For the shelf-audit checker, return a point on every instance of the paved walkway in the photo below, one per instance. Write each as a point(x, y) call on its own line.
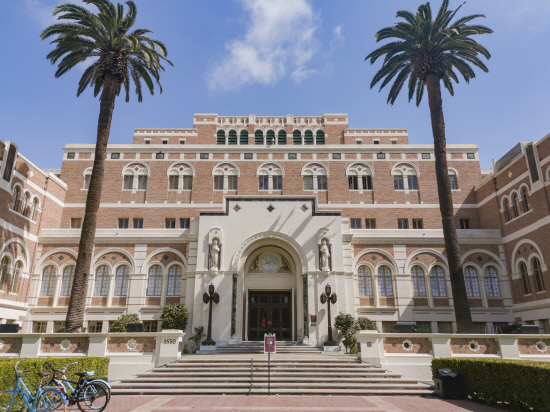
point(290, 404)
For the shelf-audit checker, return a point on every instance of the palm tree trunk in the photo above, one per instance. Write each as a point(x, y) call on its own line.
point(77, 302)
point(460, 298)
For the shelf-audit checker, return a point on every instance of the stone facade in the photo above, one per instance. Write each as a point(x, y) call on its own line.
point(247, 203)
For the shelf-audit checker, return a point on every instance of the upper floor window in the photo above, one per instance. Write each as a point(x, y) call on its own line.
point(311, 173)
point(243, 139)
point(48, 281)
point(121, 280)
point(87, 178)
point(180, 176)
point(263, 182)
point(308, 137)
point(138, 223)
point(174, 281)
point(537, 272)
point(506, 207)
point(220, 137)
point(16, 276)
point(232, 182)
point(472, 285)
point(402, 223)
point(35, 205)
point(4, 271)
point(184, 223)
point(419, 284)
point(259, 137)
point(135, 176)
point(123, 223)
point(398, 183)
point(465, 223)
point(25, 210)
point(270, 176)
point(405, 176)
point(453, 179)
point(321, 182)
point(154, 281)
point(282, 137)
point(308, 182)
point(16, 202)
point(418, 224)
point(270, 137)
point(359, 176)
point(412, 182)
point(355, 223)
point(525, 278)
point(296, 137)
point(67, 280)
point(515, 209)
point(102, 281)
point(218, 182)
point(437, 282)
point(232, 137)
point(525, 200)
point(170, 223)
point(225, 176)
point(492, 289)
point(370, 223)
point(385, 281)
point(365, 280)
point(320, 137)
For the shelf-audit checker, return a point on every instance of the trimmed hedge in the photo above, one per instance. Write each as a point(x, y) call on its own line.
point(520, 384)
point(99, 365)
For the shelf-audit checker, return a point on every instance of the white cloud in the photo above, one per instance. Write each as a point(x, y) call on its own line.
point(280, 39)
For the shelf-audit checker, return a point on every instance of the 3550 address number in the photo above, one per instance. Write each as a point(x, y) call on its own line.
point(170, 341)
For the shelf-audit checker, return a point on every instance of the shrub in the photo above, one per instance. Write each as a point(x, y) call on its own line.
point(365, 323)
point(517, 383)
point(119, 325)
point(174, 316)
point(348, 327)
point(31, 379)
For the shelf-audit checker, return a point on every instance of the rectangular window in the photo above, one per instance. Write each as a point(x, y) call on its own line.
point(95, 326)
point(418, 224)
point(353, 183)
point(128, 182)
point(398, 182)
point(370, 223)
point(76, 223)
point(138, 223)
point(150, 326)
point(292, 156)
point(367, 182)
point(159, 156)
point(39, 327)
point(471, 156)
point(182, 141)
point(426, 156)
point(444, 327)
point(322, 182)
point(249, 156)
point(115, 155)
point(336, 156)
point(165, 142)
point(87, 181)
point(263, 182)
point(380, 156)
point(187, 182)
point(70, 155)
point(452, 181)
point(403, 223)
point(232, 182)
point(203, 156)
point(123, 223)
point(57, 325)
point(394, 142)
point(465, 223)
point(423, 327)
point(170, 223)
point(413, 185)
point(184, 223)
point(142, 182)
point(147, 142)
point(376, 142)
point(277, 182)
point(173, 182)
point(387, 326)
point(355, 223)
point(308, 182)
point(218, 182)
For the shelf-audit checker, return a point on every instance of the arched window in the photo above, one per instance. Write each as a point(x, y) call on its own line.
point(419, 284)
point(315, 176)
point(359, 177)
point(4, 270)
point(244, 137)
point(270, 137)
point(453, 179)
point(525, 278)
point(472, 284)
point(270, 176)
point(232, 138)
point(48, 281)
point(135, 176)
point(180, 176)
point(282, 137)
point(525, 200)
point(35, 204)
point(320, 138)
point(16, 276)
point(405, 177)
point(220, 137)
point(296, 137)
point(308, 137)
point(121, 280)
point(174, 281)
point(26, 209)
point(259, 137)
point(515, 209)
point(102, 281)
point(67, 281)
point(16, 198)
point(12, 154)
point(365, 281)
point(537, 271)
point(87, 178)
point(226, 176)
point(506, 206)
point(491, 283)
point(154, 283)
point(437, 281)
point(384, 281)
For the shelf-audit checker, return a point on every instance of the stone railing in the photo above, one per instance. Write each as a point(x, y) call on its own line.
point(130, 353)
point(411, 354)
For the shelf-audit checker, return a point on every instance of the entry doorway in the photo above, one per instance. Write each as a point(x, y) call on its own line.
point(270, 306)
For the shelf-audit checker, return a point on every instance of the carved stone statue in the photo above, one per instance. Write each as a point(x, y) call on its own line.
point(325, 255)
point(214, 255)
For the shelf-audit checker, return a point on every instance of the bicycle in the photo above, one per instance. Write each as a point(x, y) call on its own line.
point(21, 398)
point(86, 394)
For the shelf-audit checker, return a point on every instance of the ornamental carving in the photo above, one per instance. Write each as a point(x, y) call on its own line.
point(270, 263)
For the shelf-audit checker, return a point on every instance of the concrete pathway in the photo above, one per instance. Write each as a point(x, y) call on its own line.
point(290, 404)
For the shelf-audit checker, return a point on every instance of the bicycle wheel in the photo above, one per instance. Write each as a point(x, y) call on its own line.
point(50, 400)
point(11, 401)
point(94, 398)
point(104, 385)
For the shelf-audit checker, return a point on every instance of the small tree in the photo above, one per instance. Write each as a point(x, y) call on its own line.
point(174, 316)
point(347, 326)
point(119, 325)
point(364, 323)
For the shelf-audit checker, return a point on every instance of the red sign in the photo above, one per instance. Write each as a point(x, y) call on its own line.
point(263, 322)
point(269, 343)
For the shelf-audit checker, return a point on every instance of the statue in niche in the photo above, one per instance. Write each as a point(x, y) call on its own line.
point(214, 255)
point(325, 256)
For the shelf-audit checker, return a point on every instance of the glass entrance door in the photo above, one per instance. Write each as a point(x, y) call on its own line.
point(269, 306)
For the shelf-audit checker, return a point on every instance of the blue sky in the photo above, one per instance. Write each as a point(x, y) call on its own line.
point(275, 57)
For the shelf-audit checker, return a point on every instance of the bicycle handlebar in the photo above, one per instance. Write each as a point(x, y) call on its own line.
point(15, 366)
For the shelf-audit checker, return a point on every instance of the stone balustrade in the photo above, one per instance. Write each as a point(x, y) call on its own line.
point(130, 353)
point(411, 354)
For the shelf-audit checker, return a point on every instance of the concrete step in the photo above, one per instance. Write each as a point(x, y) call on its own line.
point(275, 369)
point(282, 385)
point(280, 391)
point(157, 379)
point(274, 365)
point(304, 375)
point(318, 359)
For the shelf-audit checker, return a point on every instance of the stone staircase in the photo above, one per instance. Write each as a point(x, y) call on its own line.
point(258, 347)
point(296, 374)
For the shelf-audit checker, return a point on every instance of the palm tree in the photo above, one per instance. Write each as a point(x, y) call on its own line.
point(119, 57)
point(427, 51)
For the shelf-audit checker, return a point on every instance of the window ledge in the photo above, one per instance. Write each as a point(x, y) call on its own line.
point(23, 216)
point(521, 215)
